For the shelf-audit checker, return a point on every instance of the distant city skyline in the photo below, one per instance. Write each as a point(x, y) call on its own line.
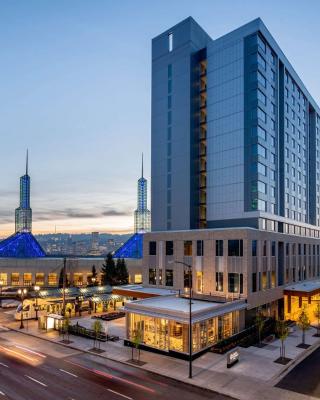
point(75, 90)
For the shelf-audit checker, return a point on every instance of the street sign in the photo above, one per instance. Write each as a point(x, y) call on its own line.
point(233, 357)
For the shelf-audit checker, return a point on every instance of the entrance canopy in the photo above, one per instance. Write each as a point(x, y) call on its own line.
point(305, 289)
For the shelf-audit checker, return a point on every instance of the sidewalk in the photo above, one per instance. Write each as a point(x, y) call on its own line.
point(251, 379)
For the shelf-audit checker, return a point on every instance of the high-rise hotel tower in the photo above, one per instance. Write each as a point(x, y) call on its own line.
point(23, 214)
point(235, 133)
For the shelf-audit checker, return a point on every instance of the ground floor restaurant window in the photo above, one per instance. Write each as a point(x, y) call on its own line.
point(172, 335)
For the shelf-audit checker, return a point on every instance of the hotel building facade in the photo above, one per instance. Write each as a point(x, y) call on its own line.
point(235, 176)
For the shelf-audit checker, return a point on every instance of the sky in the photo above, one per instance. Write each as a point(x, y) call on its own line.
point(75, 89)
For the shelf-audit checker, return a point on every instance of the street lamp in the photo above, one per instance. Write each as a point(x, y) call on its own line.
point(190, 312)
point(22, 293)
point(1, 284)
point(36, 289)
point(93, 280)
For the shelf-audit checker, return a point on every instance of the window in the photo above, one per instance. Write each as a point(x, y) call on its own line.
point(152, 276)
point(264, 248)
point(40, 278)
point(262, 115)
point(170, 41)
point(233, 283)
point(187, 278)
point(254, 282)
point(261, 97)
point(187, 247)
point(262, 205)
point(262, 169)
point(169, 277)
point(169, 71)
point(273, 249)
point(261, 132)
point(219, 281)
point(254, 248)
point(52, 279)
point(152, 248)
point(261, 61)
point(259, 150)
point(15, 278)
point(219, 248)
point(261, 43)
point(27, 279)
point(199, 247)
point(262, 187)
point(235, 248)
point(169, 248)
point(262, 79)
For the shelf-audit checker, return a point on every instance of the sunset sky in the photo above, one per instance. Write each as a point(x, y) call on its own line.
point(75, 89)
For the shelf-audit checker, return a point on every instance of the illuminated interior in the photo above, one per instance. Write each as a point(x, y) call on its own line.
point(165, 334)
point(294, 304)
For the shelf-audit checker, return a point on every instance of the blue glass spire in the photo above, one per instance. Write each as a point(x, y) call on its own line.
point(142, 214)
point(23, 214)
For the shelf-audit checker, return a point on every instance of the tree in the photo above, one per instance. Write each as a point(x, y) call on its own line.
point(108, 271)
point(137, 340)
point(259, 321)
point(61, 279)
point(317, 315)
point(282, 331)
point(92, 280)
point(123, 273)
point(97, 329)
point(303, 323)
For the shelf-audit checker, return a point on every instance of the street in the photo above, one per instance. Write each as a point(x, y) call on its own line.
point(32, 369)
point(304, 378)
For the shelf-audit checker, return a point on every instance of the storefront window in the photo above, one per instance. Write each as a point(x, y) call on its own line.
point(27, 279)
point(15, 279)
point(52, 279)
point(40, 278)
point(3, 278)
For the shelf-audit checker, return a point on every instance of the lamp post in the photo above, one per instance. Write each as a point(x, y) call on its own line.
point(22, 293)
point(1, 284)
point(190, 313)
point(93, 280)
point(36, 289)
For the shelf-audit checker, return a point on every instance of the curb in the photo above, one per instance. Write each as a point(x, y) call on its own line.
point(125, 363)
point(292, 364)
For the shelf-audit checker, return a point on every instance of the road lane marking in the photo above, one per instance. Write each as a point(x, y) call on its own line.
point(2, 394)
point(30, 351)
point(67, 372)
point(35, 380)
point(4, 365)
point(120, 394)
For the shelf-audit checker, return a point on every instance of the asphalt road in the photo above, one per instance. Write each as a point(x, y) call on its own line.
point(34, 369)
point(305, 377)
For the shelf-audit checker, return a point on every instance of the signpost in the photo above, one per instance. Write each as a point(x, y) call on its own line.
point(233, 357)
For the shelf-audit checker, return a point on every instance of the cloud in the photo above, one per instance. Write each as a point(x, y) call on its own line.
point(115, 213)
point(68, 213)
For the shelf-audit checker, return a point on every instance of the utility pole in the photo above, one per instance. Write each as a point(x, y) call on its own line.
point(64, 287)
